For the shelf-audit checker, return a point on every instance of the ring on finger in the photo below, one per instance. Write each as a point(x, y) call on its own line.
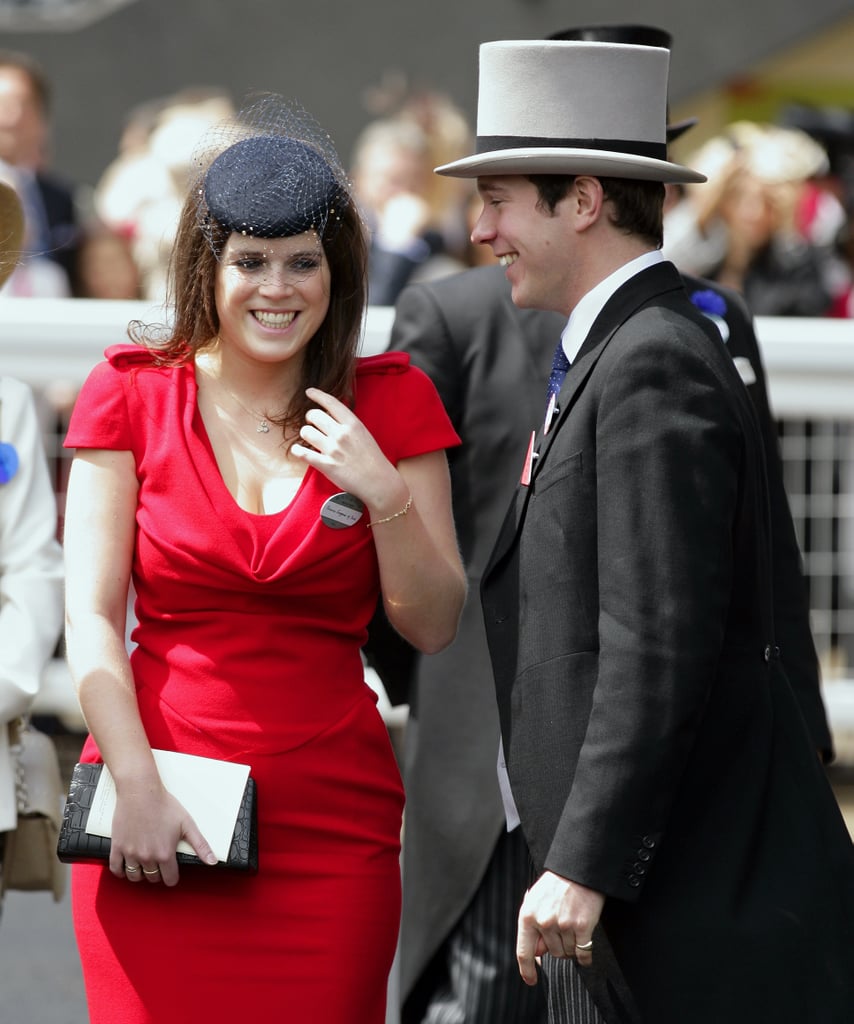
point(151, 871)
point(131, 868)
point(585, 947)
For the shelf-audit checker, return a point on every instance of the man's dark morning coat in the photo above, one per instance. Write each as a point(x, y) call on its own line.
point(489, 361)
point(656, 750)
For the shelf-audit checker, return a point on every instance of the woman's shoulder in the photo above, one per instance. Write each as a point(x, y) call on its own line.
point(129, 365)
point(380, 374)
point(384, 363)
point(401, 406)
point(128, 356)
point(123, 393)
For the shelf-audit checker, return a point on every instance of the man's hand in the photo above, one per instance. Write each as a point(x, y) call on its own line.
point(557, 917)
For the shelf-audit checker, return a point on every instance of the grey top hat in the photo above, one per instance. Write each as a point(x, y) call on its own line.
point(572, 107)
point(639, 35)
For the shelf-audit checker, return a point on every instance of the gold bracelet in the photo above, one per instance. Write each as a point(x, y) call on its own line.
point(394, 515)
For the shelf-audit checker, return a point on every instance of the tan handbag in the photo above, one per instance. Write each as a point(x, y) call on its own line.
point(29, 861)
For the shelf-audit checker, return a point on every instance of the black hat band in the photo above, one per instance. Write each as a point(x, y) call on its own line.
point(493, 143)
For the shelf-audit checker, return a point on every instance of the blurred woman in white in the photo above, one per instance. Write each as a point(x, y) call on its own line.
point(30, 556)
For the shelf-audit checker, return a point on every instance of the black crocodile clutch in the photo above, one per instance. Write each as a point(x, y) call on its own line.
point(76, 845)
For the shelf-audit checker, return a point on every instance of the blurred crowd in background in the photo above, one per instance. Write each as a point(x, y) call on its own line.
point(774, 220)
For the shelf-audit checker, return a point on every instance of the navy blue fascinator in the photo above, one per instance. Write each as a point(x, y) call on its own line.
point(272, 172)
point(271, 187)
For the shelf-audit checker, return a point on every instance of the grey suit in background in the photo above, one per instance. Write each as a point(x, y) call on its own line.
point(489, 362)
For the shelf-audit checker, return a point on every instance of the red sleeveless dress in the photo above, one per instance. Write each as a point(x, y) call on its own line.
point(248, 649)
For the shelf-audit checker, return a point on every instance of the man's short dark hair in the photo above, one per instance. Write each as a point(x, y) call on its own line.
point(636, 206)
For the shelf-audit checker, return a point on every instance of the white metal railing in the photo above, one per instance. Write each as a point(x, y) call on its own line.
point(810, 366)
point(47, 340)
point(810, 362)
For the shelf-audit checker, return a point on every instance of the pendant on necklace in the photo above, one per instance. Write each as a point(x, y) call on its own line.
point(263, 427)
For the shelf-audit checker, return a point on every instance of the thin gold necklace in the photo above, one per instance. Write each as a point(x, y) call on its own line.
point(263, 426)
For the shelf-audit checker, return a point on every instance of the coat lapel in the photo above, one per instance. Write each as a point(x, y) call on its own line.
point(623, 304)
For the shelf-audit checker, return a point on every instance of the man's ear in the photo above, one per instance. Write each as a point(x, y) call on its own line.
point(586, 200)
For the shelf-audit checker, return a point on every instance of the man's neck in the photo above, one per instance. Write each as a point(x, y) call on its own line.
point(604, 261)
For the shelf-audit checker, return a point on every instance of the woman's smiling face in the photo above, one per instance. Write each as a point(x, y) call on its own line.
point(272, 294)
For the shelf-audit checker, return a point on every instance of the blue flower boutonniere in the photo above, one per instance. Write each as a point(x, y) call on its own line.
point(712, 305)
point(709, 302)
point(8, 462)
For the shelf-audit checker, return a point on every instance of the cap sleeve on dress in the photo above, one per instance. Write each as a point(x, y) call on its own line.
point(401, 407)
point(100, 415)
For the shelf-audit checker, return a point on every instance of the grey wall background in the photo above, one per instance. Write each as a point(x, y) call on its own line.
point(327, 53)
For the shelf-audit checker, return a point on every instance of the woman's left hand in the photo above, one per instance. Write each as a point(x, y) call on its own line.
point(422, 578)
point(344, 450)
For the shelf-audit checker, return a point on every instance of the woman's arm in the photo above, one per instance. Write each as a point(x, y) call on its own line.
point(99, 536)
point(421, 573)
point(100, 525)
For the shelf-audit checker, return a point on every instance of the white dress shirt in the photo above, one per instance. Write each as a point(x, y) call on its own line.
point(591, 305)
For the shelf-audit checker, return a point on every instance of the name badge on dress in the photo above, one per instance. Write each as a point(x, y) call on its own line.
point(341, 510)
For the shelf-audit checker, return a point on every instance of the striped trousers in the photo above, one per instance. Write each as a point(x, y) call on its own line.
point(598, 994)
point(569, 1000)
point(475, 978)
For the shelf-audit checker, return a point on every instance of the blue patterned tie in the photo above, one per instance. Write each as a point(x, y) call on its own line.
point(560, 364)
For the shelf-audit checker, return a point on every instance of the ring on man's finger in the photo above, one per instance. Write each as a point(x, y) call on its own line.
point(152, 871)
point(131, 868)
point(585, 947)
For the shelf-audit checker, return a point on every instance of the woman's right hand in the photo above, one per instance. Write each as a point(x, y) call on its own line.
point(147, 825)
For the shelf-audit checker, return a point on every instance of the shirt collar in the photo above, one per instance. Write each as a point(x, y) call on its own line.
point(590, 306)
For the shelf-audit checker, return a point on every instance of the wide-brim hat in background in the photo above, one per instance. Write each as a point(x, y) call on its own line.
point(11, 230)
point(572, 107)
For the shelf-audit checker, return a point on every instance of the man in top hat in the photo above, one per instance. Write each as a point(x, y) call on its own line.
point(688, 851)
point(464, 874)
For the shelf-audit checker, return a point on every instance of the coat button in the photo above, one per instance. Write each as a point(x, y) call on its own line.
point(643, 854)
point(639, 869)
point(634, 881)
point(648, 842)
point(768, 652)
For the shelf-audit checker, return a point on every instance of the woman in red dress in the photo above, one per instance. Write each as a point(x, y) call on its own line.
point(260, 487)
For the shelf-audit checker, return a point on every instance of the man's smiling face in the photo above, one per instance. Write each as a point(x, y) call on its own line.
point(534, 245)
